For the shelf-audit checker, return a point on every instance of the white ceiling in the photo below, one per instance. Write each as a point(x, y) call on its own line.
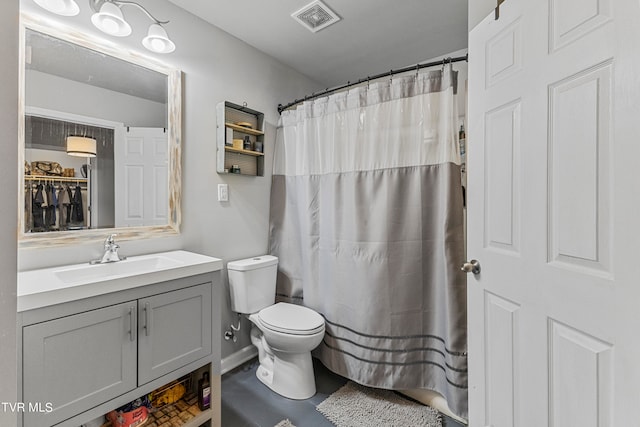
point(373, 36)
point(70, 61)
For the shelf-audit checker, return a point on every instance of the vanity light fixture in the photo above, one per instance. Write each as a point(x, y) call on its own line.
point(157, 40)
point(60, 7)
point(108, 18)
point(81, 146)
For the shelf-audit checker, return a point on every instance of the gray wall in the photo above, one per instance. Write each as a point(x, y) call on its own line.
point(478, 10)
point(58, 94)
point(217, 67)
point(8, 212)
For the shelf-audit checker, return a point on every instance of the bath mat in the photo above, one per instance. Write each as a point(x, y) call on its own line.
point(284, 423)
point(356, 406)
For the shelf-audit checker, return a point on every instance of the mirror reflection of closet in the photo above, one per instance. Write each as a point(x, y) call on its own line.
point(130, 105)
point(46, 145)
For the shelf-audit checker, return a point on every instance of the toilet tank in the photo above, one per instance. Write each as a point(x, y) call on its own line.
point(252, 283)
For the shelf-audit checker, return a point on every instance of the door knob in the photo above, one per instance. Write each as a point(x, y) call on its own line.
point(472, 266)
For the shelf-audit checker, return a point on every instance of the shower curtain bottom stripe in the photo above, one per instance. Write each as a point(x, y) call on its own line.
point(397, 351)
point(398, 337)
point(418, 362)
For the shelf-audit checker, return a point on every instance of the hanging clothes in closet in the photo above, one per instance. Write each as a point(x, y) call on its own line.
point(36, 208)
point(51, 205)
point(64, 206)
point(77, 210)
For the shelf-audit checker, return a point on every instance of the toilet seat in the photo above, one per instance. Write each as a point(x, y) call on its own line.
point(291, 319)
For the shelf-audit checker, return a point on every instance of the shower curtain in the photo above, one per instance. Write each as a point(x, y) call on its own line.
point(367, 223)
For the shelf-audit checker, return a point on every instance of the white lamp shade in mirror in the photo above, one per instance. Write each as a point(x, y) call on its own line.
point(157, 40)
point(81, 146)
point(111, 21)
point(59, 7)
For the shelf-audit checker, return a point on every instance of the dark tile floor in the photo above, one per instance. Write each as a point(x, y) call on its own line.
point(246, 402)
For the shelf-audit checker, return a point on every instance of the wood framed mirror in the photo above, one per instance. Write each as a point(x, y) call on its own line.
point(130, 105)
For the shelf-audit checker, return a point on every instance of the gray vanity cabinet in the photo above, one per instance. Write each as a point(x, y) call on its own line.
point(175, 329)
point(83, 358)
point(79, 361)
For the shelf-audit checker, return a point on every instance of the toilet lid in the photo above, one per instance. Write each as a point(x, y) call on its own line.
point(291, 319)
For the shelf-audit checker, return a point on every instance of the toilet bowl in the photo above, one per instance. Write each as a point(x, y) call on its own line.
point(284, 351)
point(283, 333)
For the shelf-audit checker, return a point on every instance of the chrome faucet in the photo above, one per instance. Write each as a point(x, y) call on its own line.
point(110, 251)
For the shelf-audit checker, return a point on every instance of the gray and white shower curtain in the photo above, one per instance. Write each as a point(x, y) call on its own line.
point(367, 223)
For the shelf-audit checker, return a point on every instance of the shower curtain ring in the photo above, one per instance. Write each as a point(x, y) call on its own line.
point(367, 82)
point(391, 76)
point(417, 70)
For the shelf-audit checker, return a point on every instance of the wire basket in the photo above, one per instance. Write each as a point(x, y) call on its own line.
point(170, 393)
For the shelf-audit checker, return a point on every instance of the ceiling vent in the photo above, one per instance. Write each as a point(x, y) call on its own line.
point(315, 16)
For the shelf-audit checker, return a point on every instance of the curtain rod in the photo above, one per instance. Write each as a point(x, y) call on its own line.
point(416, 67)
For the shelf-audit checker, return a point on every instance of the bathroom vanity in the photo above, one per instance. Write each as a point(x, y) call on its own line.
point(97, 337)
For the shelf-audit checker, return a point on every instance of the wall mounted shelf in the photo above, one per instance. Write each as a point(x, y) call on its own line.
point(243, 129)
point(237, 122)
point(246, 152)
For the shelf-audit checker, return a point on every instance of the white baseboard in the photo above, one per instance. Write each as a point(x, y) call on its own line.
point(238, 358)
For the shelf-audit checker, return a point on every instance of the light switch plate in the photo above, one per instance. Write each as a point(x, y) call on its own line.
point(223, 192)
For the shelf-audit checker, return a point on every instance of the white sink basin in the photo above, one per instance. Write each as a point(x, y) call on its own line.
point(131, 266)
point(56, 285)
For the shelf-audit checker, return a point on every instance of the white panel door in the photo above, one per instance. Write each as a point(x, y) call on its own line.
point(142, 178)
point(554, 106)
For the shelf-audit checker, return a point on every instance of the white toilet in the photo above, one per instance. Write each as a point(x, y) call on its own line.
point(284, 333)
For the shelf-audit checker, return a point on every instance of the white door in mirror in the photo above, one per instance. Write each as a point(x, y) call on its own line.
point(141, 174)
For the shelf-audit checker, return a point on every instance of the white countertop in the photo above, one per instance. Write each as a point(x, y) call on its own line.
point(56, 285)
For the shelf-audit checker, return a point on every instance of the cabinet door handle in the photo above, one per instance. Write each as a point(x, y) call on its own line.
point(132, 328)
point(147, 319)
